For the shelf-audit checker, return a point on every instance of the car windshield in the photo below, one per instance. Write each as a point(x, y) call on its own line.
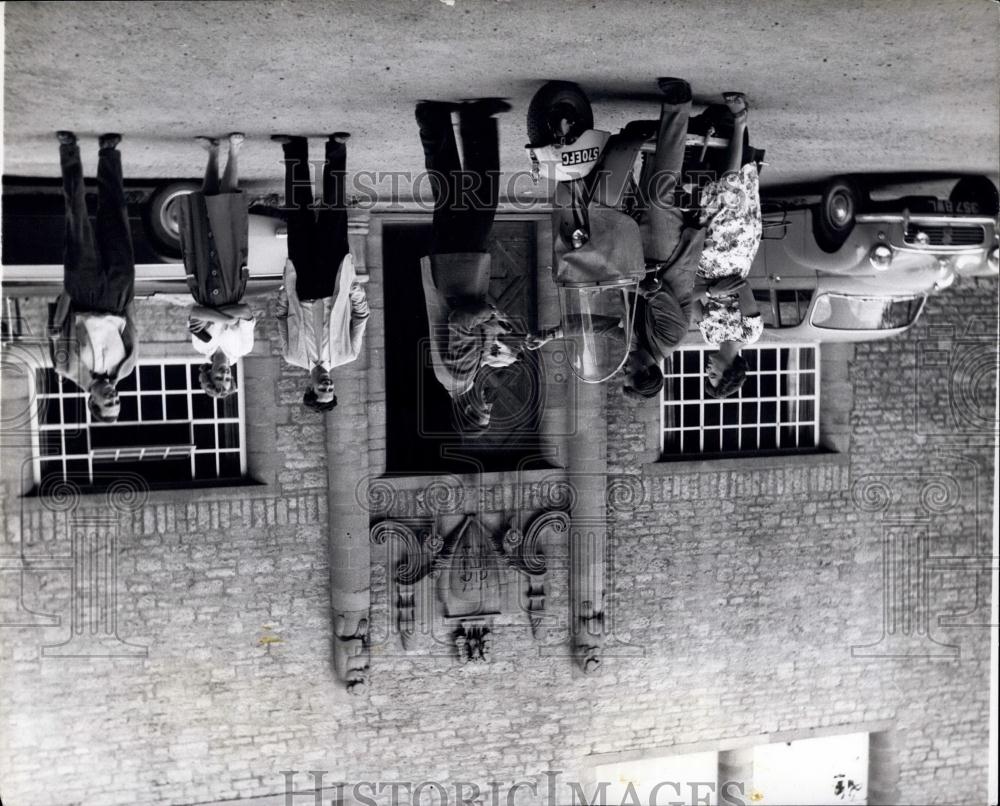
point(838, 312)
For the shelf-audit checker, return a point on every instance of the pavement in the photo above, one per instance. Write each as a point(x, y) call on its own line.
point(833, 87)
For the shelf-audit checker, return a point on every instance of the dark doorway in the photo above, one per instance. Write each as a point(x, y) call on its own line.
point(420, 438)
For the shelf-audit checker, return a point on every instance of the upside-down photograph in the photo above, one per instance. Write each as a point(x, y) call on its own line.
point(499, 403)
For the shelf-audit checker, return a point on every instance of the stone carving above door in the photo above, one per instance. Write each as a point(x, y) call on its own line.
point(460, 581)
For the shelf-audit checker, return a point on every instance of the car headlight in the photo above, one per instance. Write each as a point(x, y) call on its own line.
point(880, 257)
point(994, 259)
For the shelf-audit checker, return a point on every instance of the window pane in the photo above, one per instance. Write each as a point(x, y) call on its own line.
point(768, 438)
point(129, 412)
point(73, 410)
point(228, 406)
point(229, 464)
point(175, 375)
point(204, 466)
point(204, 436)
point(177, 407)
point(49, 442)
point(77, 443)
point(149, 378)
point(202, 406)
point(49, 411)
point(152, 408)
point(692, 415)
point(731, 413)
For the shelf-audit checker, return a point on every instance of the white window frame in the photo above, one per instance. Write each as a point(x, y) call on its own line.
point(777, 399)
point(148, 452)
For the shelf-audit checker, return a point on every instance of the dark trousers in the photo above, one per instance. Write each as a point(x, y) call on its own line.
point(317, 237)
point(465, 196)
point(98, 268)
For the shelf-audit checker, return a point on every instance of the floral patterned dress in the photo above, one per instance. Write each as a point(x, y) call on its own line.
point(732, 221)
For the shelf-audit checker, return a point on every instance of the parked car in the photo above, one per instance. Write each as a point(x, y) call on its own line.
point(845, 263)
point(33, 224)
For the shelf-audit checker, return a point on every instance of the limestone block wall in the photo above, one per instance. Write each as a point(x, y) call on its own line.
point(738, 596)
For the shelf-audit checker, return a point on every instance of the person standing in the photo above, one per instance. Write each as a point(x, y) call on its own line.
point(214, 230)
point(466, 329)
point(322, 306)
point(668, 240)
point(724, 308)
point(92, 334)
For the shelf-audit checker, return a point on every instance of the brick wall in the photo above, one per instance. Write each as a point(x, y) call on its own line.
point(737, 597)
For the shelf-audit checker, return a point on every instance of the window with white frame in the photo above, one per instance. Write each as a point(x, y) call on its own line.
point(776, 410)
point(169, 431)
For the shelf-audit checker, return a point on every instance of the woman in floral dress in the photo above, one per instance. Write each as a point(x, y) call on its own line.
point(724, 306)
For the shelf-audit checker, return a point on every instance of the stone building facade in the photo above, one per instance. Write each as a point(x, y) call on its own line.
point(745, 600)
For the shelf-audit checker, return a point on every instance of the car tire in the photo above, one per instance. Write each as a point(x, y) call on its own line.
point(554, 102)
point(162, 227)
point(978, 194)
point(838, 206)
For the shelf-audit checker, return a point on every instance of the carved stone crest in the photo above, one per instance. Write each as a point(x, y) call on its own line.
point(464, 575)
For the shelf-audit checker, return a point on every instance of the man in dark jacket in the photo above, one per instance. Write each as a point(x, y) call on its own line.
point(466, 329)
point(671, 242)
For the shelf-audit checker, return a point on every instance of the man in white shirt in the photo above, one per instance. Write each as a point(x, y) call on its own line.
point(322, 306)
point(91, 324)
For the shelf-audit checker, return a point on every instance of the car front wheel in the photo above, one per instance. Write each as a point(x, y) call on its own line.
point(162, 224)
point(837, 211)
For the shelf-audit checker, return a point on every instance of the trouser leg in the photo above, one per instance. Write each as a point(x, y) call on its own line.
point(114, 237)
point(81, 271)
point(480, 181)
point(301, 217)
point(661, 221)
point(331, 220)
point(437, 136)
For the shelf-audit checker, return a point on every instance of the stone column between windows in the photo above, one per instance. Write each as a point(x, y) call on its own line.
point(587, 474)
point(347, 467)
point(736, 775)
point(883, 767)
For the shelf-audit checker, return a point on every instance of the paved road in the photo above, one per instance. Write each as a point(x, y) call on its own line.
point(834, 86)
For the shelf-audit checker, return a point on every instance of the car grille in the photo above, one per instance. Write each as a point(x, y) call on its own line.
point(945, 234)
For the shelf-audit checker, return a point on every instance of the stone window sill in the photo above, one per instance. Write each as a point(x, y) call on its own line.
point(820, 458)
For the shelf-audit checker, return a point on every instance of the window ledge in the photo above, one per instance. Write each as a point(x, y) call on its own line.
point(820, 458)
point(247, 489)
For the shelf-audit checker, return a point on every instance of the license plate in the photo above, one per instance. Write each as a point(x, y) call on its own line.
point(580, 156)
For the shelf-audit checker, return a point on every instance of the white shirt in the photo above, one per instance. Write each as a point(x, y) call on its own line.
point(101, 345)
point(235, 339)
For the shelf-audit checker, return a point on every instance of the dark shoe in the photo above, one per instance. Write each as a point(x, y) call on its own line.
point(340, 137)
point(110, 140)
point(433, 115)
point(66, 138)
point(675, 90)
point(480, 108)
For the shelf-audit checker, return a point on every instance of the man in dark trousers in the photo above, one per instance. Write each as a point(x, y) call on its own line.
point(322, 306)
point(467, 331)
point(672, 241)
point(668, 239)
point(92, 323)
